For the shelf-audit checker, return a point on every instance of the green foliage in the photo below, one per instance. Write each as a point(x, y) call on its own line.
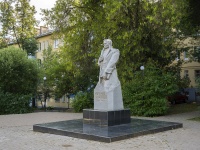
point(18, 22)
point(146, 94)
point(19, 74)
point(55, 68)
point(82, 101)
point(183, 82)
point(6, 17)
point(14, 103)
point(3, 43)
point(30, 45)
point(66, 74)
point(197, 80)
point(190, 23)
point(141, 30)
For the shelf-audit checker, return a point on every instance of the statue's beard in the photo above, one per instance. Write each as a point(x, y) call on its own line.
point(107, 47)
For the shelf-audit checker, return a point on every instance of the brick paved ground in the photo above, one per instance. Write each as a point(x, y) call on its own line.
point(16, 133)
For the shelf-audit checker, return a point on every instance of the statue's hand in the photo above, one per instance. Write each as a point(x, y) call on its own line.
point(100, 60)
point(106, 76)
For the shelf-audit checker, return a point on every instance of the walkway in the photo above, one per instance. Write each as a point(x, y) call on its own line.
point(16, 133)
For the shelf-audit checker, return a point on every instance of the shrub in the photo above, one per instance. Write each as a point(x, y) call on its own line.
point(14, 103)
point(18, 80)
point(146, 94)
point(82, 101)
point(19, 74)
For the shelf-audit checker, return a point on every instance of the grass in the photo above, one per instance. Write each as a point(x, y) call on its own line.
point(182, 108)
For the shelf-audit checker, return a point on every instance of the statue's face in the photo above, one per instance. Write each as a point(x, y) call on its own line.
point(106, 44)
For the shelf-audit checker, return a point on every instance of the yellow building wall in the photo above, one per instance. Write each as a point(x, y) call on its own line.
point(189, 66)
point(45, 40)
point(190, 69)
point(51, 102)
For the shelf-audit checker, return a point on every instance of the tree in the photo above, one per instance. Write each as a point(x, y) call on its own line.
point(142, 30)
point(18, 80)
point(30, 45)
point(191, 21)
point(190, 25)
point(146, 93)
point(18, 22)
point(6, 18)
point(58, 72)
point(19, 75)
point(3, 43)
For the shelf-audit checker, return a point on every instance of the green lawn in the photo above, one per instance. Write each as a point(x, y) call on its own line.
point(182, 108)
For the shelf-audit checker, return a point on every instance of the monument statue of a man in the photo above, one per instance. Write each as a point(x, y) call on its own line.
point(107, 62)
point(107, 93)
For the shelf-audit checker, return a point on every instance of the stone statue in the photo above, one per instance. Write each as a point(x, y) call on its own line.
point(107, 93)
point(107, 62)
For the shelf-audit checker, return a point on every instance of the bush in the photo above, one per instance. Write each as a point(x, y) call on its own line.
point(146, 94)
point(18, 80)
point(82, 101)
point(19, 74)
point(14, 103)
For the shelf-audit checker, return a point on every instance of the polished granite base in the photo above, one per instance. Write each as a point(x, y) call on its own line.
point(106, 118)
point(77, 129)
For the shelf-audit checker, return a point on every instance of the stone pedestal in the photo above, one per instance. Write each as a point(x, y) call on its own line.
point(108, 106)
point(105, 99)
point(106, 118)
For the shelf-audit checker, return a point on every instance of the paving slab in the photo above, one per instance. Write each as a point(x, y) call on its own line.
point(16, 132)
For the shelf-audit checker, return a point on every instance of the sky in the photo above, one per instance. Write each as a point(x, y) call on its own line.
point(46, 4)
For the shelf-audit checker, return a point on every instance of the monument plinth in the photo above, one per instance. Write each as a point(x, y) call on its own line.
point(106, 118)
point(108, 108)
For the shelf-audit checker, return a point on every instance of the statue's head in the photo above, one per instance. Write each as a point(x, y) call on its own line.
point(107, 43)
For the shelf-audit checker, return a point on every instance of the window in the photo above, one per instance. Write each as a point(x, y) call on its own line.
point(63, 98)
point(186, 74)
point(57, 99)
point(42, 45)
point(178, 55)
point(46, 45)
point(56, 43)
point(196, 54)
point(197, 73)
point(39, 61)
point(186, 55)
point(39, 47)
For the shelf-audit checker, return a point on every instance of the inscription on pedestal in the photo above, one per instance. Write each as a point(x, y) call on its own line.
point(100, 96)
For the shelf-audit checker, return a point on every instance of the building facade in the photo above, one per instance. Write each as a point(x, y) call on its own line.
point(45, 39)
